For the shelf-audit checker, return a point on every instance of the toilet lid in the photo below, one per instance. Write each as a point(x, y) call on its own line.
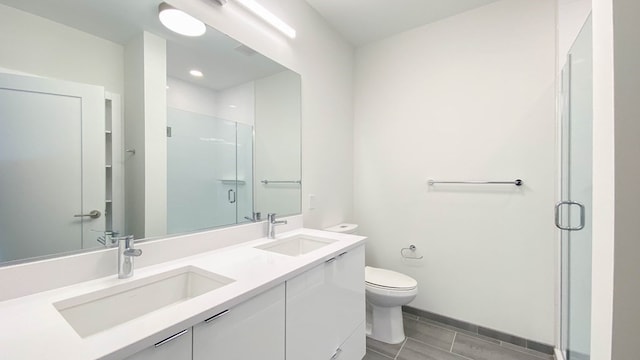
point(388, 278)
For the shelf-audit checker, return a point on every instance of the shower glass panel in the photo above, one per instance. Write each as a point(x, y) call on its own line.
point(574, 212)
point(206, 171)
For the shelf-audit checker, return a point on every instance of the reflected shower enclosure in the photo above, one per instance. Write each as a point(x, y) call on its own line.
point(209, 171)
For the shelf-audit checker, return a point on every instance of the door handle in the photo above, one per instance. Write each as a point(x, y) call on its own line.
point(94, 214)
point(582, 216)
point(220, 314)
point(171, 338)
point(229, 193)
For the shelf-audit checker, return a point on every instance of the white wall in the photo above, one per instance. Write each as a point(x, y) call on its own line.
point(39, 46)
point(571, 16)
point(189, 97)
point(277, 143)
point(237, 103)
point(145, 132)
point(469, 97)
point(325, 62)
point(616, 290)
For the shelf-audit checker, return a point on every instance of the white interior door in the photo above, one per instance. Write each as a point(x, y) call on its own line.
point(52, 166)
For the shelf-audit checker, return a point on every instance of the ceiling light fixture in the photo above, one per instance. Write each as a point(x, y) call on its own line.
point(196, 73)
point(179, 21)
point(267, 16)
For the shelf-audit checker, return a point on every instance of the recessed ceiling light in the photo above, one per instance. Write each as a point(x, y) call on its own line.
point(179, 21)
point(196, 73)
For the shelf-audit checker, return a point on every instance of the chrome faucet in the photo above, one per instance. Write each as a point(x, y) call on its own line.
point(126, 253)
point(271, 221)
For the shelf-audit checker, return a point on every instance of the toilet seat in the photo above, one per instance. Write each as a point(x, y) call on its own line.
point(388, 280)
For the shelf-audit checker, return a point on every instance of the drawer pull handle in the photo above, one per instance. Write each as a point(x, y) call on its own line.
point(343, 254)
point(216, 316)
point(170, 338)
point(331, 260)
point(336, 354)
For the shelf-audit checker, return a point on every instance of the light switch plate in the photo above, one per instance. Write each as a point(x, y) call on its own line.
point(312, 201)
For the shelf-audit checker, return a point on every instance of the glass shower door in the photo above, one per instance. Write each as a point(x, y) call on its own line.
point(573, 213)
point(202, 174)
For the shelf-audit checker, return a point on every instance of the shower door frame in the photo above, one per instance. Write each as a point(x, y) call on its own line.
point(565, 143)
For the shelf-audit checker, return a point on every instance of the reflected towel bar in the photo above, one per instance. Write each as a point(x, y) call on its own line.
point(516, 182)
point(267, 182)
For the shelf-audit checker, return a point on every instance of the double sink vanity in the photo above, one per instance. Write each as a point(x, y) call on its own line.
point(299, 296)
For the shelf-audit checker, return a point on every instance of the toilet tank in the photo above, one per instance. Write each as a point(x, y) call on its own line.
point(344, 228)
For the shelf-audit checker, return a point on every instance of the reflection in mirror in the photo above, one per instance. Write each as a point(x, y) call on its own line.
point(104, 132)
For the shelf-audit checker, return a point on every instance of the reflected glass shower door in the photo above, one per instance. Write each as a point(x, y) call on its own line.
point(209, 171)
point(573, 213)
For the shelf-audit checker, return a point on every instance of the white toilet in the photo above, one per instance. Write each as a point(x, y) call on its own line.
point(386, 292)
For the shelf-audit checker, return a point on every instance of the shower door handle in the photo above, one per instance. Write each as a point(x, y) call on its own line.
point(582, 216)
point(232, 199)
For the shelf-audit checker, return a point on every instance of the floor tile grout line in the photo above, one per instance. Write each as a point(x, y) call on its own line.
point(498, 342)
point(453, 341)
point(436, 347)
point(521, 349)
point(426, 343)
point(401, 347)
point(505, 347)
point(477, 334)
point(449, 328)
point(378, 352)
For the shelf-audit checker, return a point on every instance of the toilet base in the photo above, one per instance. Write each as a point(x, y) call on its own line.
point(385, 324)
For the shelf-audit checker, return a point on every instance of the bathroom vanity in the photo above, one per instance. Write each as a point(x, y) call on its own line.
point(300, 296)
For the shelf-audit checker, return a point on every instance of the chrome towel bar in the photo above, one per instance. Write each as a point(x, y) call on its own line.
point(267, 182)
point(516, 182)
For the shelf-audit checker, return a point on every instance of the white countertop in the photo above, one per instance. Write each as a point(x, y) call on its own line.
point(32, 328)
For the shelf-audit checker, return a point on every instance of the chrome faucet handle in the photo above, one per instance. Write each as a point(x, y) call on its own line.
point(126, 253)
point(256, 216)
point(132, 252)
point(271, 225)
point(108, 238)
point(128, 249)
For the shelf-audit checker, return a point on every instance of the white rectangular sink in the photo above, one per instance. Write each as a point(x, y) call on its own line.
point(101, 310)
point(296, 245)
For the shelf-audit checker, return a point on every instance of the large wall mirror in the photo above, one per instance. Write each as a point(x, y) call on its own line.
point(106, 129)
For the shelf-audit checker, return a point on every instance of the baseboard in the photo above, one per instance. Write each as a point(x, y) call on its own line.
point(480, 330)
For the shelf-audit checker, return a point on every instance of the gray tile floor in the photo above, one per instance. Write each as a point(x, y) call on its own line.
point(429, 340)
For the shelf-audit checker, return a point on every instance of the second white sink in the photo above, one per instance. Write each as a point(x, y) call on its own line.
point(98, 311)
point(296, 245)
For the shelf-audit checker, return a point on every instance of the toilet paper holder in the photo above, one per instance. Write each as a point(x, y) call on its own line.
point(412, 255)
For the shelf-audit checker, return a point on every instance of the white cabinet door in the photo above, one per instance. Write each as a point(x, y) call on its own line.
point(325, 305)
point(354, 348)
point(251, 330)
point(349, 292)
point(311, 315)
point(176, 347)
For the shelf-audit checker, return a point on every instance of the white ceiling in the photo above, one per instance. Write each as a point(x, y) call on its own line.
point(365, 21)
